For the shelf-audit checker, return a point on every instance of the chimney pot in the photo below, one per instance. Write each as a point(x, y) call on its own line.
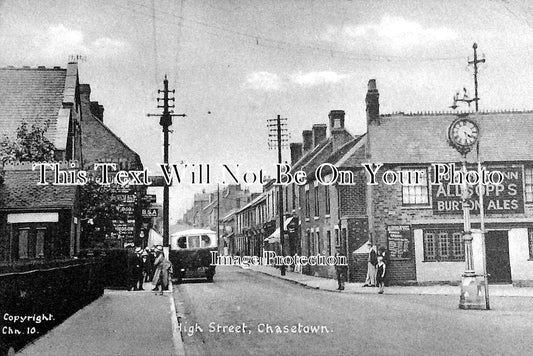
point(336, 120)
point(319, 133)
point(307, 138)
point(372, 103)
point(296, 152)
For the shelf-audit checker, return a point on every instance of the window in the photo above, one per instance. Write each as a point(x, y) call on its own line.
point(318, 243)
point(39, 243)
point(307, 207)
point(293, 196)
point(529, 184)
point(206, 241)
point(182, 242)
point(337, 238)
point(23, 243)
point(443, 245)
point(317, 208)
point(413, 192)
point(326, 198)
point(287, 198)
point(530, 234)
point(328, 236)
point(193, 241)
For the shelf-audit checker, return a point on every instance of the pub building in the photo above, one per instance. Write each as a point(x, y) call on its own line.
point(421, 223)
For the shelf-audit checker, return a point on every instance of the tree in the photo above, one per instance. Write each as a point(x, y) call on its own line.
point(99, 208)
point(29, 145)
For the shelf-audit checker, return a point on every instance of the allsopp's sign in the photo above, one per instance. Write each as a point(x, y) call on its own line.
point(504, 198)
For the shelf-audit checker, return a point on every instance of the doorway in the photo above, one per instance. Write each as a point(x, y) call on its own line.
point(497, 253)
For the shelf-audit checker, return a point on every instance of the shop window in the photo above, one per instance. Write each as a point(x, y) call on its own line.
point(415, 192)
point(528, 184)
point(318, 243)
point(443, 245)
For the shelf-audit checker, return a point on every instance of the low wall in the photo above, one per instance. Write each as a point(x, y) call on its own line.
point(34, 301)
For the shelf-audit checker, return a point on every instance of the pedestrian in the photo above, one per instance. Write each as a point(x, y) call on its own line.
point(380, 277)
point(151, 257)
point(372, 262)
point(162, 272)
point(383, 252)
point(138, 269)
point(134, 269)
point(341, 268)
point(146, 266)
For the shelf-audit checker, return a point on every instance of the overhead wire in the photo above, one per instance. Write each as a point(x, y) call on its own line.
point(263, 41)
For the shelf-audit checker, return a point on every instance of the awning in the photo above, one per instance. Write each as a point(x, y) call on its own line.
point(275, 235)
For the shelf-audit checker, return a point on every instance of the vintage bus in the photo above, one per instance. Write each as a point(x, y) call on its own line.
point(190, 253)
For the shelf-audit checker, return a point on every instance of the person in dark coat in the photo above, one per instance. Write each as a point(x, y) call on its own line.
point(134, 269)
point(341, 270)
point(372, 262)
point(146, 266)
point(380, 276)
point(138, 269)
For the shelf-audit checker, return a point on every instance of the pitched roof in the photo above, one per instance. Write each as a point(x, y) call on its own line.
point(20, 191)
point(97, 138)
point(402, 138)
point(37, 95)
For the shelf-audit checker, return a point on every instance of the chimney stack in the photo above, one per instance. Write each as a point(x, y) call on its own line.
point(336, 120)
point(372, 103)
point(97, 110)
point(307, 137)
point(339, 135)
point(319, 133)
point(296, 152)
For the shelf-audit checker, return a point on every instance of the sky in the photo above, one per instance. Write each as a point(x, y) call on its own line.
point(236, 64)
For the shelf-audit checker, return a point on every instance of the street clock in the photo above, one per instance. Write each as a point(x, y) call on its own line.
point(463, 134)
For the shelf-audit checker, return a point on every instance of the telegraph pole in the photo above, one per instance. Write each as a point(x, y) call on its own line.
point(279, 139)
point(475, 62)
point(165, 121)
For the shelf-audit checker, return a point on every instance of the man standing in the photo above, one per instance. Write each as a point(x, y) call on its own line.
point(372, 262)
point(341, 270)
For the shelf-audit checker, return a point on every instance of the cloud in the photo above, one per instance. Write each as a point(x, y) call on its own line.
point(264, 81)
point(58, 41)
point(317, 78)
point(392, 31)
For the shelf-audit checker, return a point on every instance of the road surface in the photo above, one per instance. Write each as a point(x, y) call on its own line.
point(248, 313)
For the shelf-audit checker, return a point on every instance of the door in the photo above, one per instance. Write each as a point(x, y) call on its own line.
point(497, 250)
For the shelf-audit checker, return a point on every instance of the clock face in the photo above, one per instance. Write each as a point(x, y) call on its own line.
point(463, 132)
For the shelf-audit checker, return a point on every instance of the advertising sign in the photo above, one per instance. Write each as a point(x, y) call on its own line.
point(504, 198)
point(149, 213)
point(399, 239)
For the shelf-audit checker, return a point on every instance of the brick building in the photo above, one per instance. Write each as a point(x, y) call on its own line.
point(101, 145)
point(40, 222)
point(330, 216)
point(421, 223)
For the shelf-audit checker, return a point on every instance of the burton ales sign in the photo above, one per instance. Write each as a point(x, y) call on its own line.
point(504, 198)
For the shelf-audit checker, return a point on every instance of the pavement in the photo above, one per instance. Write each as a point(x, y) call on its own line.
point(118, 323)
point(328, 284)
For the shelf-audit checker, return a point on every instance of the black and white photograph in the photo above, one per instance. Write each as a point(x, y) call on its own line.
point(266, 177)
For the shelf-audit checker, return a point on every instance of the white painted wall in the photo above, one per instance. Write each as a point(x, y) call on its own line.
point(434, 271)
point(521, 266)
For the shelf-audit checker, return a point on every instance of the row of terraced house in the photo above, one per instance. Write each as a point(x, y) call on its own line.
point(419, 223)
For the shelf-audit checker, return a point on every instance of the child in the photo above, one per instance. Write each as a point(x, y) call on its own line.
point(380, 278)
